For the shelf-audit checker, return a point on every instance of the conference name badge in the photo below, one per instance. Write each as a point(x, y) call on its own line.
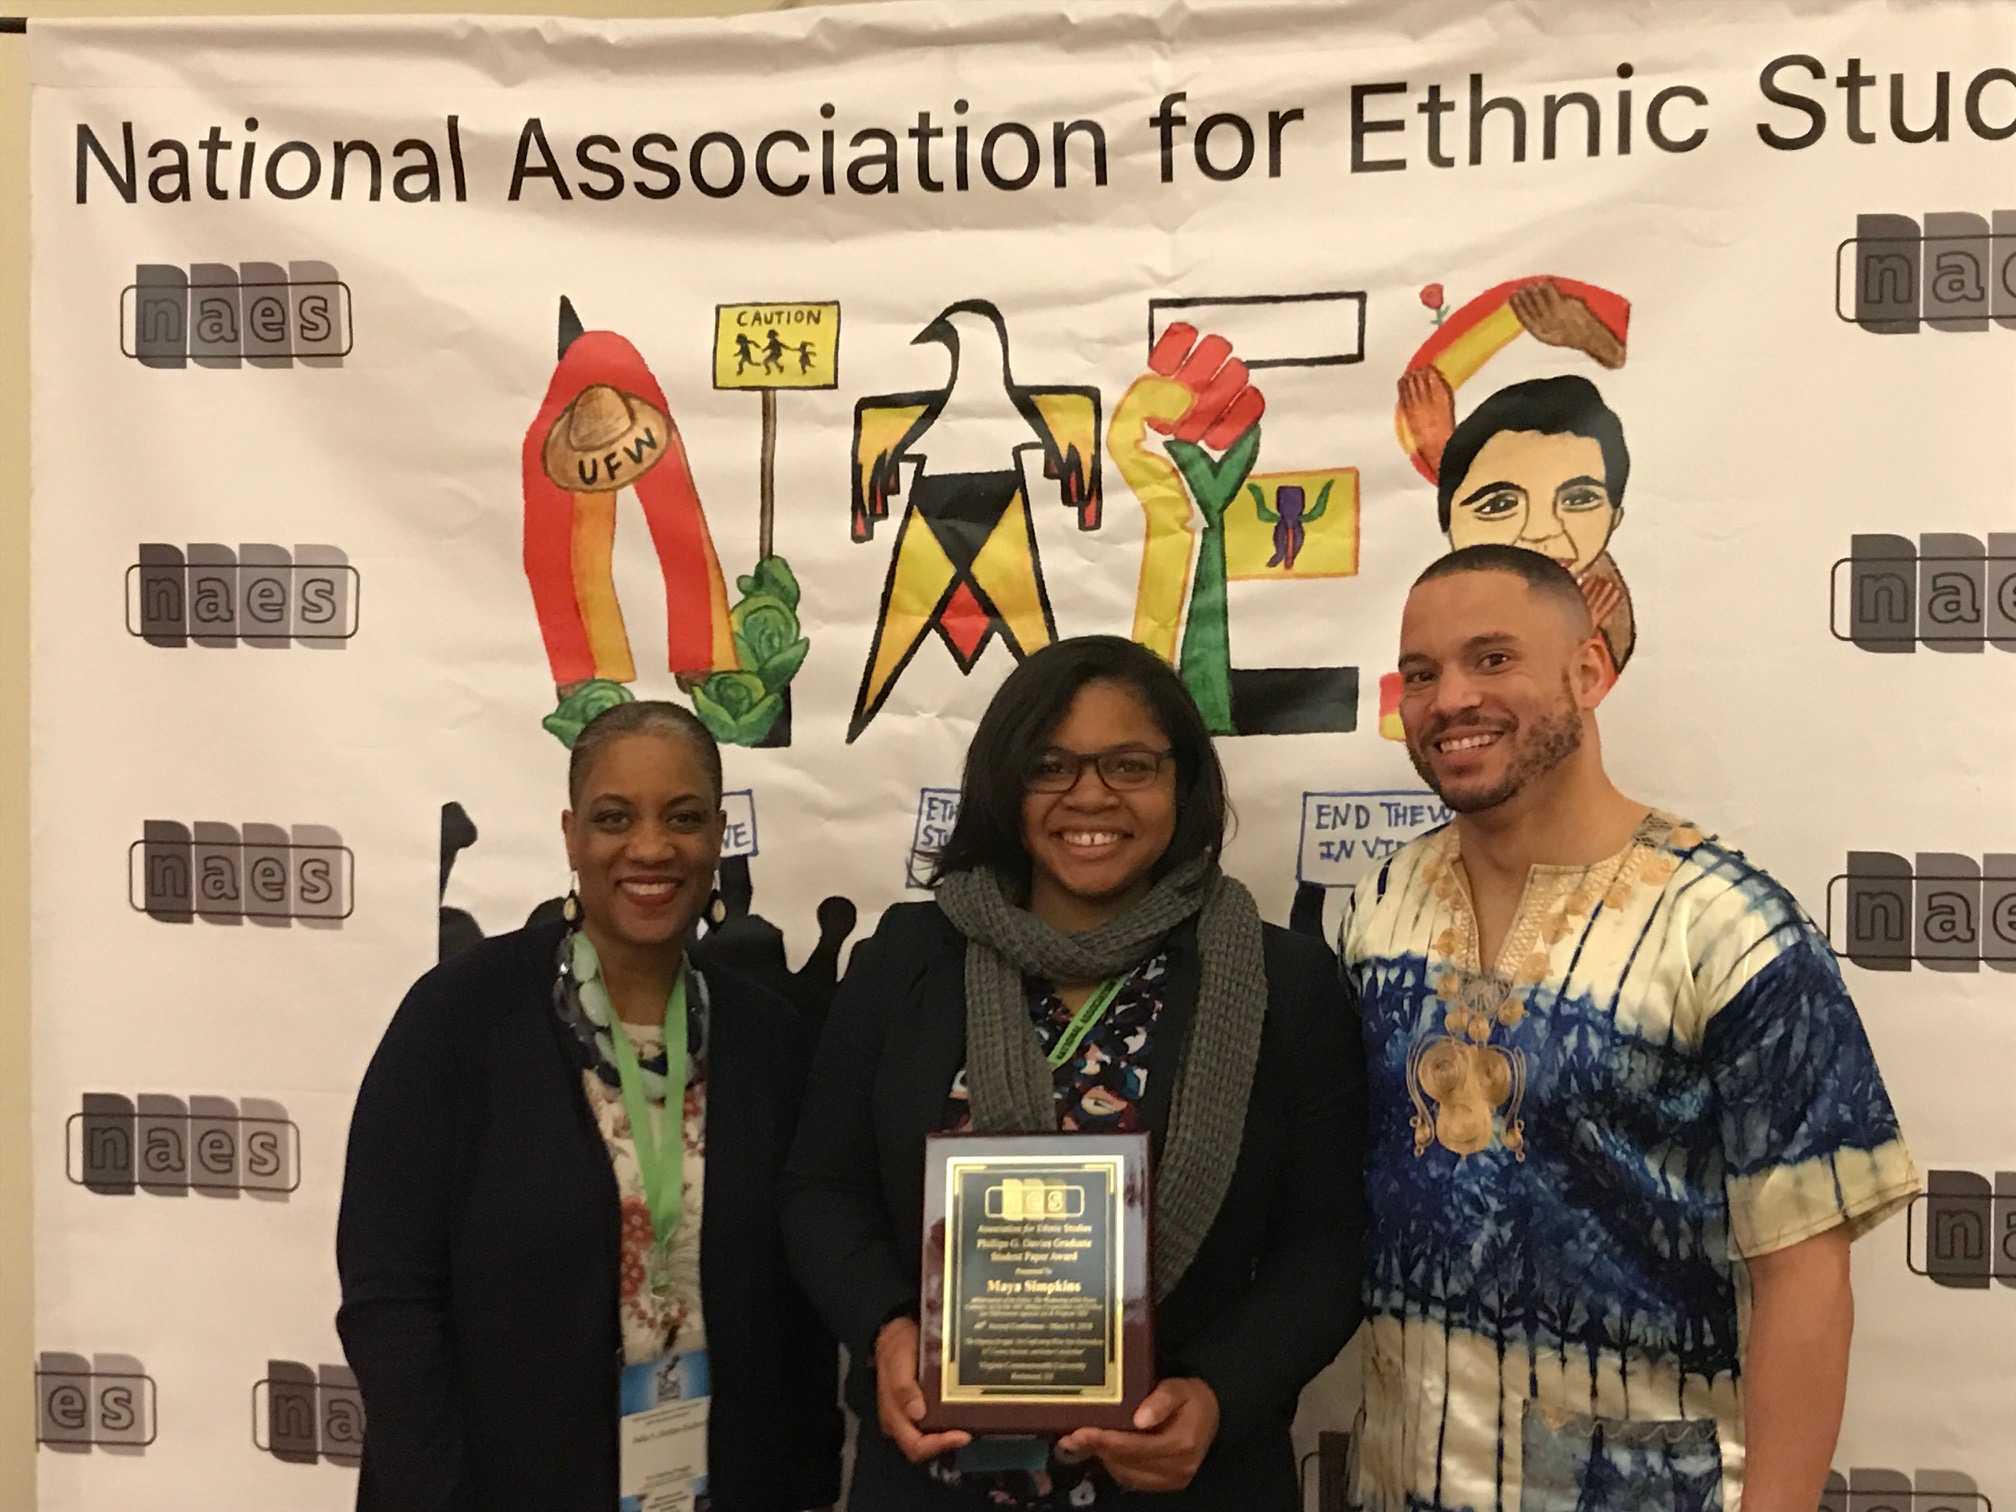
point(662, 1434)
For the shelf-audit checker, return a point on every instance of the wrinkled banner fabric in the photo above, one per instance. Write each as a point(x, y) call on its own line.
point(405, 391)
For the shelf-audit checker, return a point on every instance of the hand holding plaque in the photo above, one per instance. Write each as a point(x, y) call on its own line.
point(1035, 1282)
point(899, 1400)
point(1173, 1431)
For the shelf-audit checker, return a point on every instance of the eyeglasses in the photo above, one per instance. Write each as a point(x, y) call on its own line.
point(1124, 771)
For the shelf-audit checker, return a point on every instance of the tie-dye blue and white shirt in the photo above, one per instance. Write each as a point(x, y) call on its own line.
point(1572, 1153)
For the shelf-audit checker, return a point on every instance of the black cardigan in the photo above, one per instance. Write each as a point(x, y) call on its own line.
point(479, 1242)
point(1273, 1294)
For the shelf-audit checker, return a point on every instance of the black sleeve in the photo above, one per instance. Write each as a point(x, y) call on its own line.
point(812, 1390)
point(1305, 1301)
point(811, 1384)
point(399, 1182)
point(836, 1225)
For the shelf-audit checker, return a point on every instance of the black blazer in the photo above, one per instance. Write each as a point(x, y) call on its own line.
point(1273, 1293)
point(479, 1242)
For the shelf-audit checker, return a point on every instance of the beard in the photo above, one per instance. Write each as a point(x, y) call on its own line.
point(1537, 749)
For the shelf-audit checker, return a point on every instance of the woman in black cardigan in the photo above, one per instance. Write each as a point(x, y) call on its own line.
point(504, 1252)
point(1086, 848)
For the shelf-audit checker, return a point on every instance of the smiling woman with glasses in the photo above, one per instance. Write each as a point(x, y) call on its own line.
point(1081, 920)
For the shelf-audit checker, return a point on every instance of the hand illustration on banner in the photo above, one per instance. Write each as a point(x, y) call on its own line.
point(966, 562)
point(1254, 527)
point(604, 426)
point(1200, 396)
point(1540, 464)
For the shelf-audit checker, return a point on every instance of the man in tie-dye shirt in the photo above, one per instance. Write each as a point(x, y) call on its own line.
point(1625, 1120)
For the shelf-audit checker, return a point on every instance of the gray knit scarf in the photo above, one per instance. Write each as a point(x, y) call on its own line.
point(1010, 1081)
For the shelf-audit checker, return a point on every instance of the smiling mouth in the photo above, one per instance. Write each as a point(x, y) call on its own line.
point(647, 890)
point(1452, 745)
point(1091, 840)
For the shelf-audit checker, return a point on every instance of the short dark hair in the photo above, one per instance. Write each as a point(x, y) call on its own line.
point(1540, 572)
point(650, 716)
point(1016, 728)
point(1567, 405)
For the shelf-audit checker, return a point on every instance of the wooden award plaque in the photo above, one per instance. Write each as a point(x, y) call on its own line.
point(1036, 1308)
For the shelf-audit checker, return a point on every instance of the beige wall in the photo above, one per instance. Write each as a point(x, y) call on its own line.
point(17, 1417)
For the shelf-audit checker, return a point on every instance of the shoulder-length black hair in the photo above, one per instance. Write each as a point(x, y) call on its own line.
point(1016, 730)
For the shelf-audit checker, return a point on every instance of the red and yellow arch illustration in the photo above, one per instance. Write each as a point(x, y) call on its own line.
point(1483, 328)
point(603, 427)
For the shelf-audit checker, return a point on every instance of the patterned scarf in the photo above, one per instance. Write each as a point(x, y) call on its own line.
point(1011, 1083)
point(586, 1019)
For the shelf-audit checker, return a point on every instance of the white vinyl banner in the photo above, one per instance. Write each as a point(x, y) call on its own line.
point(407, 390)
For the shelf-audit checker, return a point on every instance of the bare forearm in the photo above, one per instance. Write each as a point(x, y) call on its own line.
point(1795, 1376)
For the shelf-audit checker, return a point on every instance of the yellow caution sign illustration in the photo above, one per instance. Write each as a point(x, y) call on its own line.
point(777, 346)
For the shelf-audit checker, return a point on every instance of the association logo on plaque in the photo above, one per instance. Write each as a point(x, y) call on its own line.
point(1036, 1304)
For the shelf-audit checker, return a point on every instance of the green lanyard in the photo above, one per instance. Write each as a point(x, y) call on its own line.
point(1085, 1019)
point(661, 1150)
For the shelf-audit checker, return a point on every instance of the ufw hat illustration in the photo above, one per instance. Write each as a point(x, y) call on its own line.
point(604, 440)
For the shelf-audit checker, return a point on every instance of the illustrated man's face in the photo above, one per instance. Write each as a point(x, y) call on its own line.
point(1545, 493)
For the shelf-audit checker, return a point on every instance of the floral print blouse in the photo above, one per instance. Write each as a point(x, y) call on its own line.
point(654, 1325)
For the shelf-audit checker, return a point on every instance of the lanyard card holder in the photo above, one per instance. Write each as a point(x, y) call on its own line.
point(662, 1434)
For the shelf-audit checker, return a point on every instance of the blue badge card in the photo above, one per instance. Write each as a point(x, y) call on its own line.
point(663, 1434)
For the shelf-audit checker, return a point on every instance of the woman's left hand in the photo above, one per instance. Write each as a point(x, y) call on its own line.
point(1173, 1431)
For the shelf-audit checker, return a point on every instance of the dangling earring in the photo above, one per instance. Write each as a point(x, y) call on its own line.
point(571, 909)
point(716, 910)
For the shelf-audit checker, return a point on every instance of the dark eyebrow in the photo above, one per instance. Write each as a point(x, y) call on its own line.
point(1487, 641)
point(1585, 481)
point(1477, 493)
point(1112, 750)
